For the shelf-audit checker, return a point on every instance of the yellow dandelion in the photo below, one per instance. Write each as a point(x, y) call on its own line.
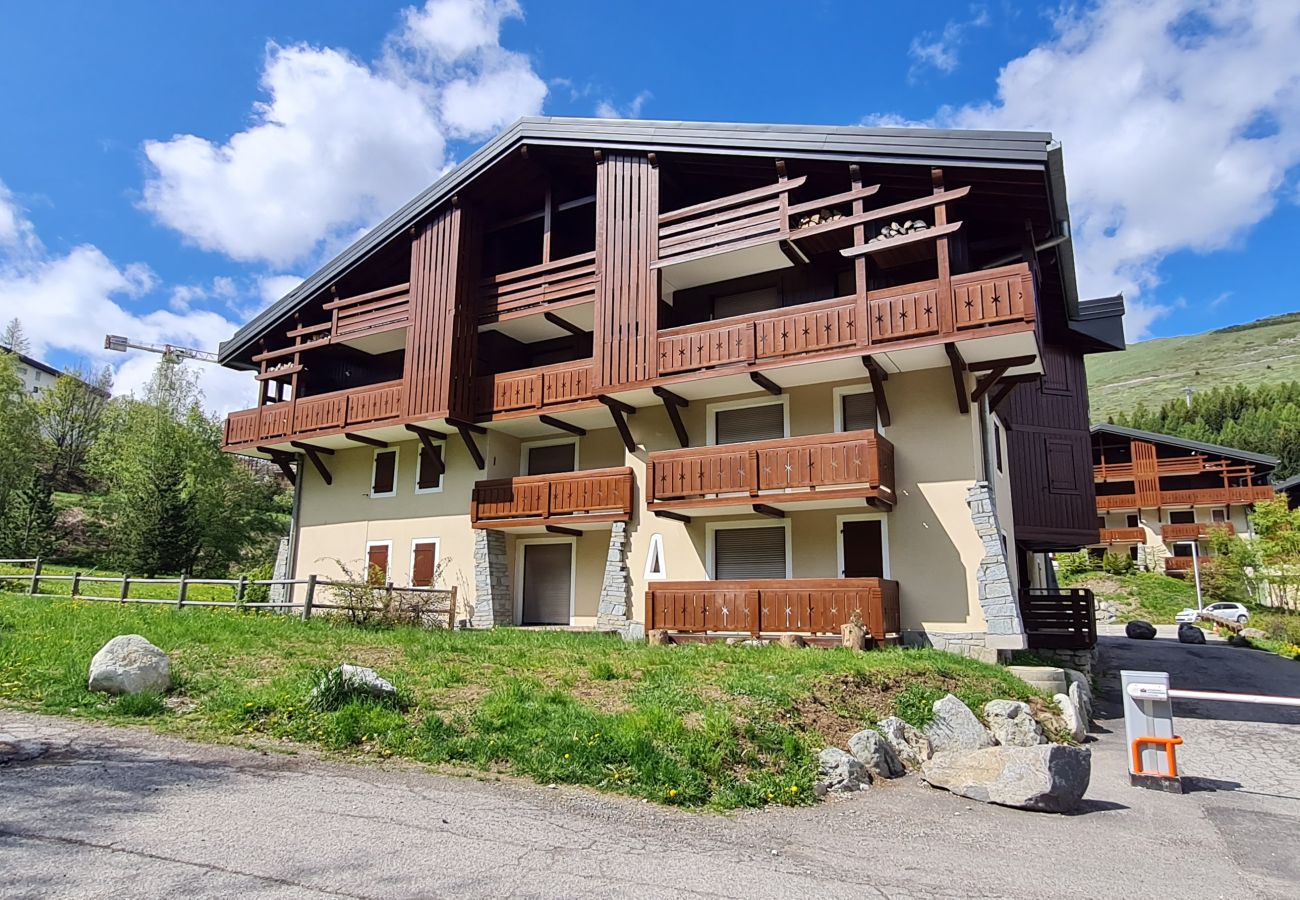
point(566, 756)
point(672, 792)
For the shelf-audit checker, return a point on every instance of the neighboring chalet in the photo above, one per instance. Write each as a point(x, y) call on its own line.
point(1290, 489)
point(1159, 496)
point(703, 378)
point(37, 377)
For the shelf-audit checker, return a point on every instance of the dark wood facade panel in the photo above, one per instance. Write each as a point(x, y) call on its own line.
point(627, 215)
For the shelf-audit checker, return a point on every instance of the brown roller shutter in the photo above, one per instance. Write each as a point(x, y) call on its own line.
point(550, 459)
point(547, 583)
point(749, 423)
point(740, 553)
point(858, 411)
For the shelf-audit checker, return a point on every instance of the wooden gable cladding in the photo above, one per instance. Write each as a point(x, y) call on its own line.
point(440, 340)
point(627, 213)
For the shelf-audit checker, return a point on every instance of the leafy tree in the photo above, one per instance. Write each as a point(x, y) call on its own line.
point(72, 414)
point(1266, 566)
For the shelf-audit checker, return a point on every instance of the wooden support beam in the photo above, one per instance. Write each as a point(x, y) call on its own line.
point(304, 447)
point(618, 411)
point(435, 454)
point(878, 504)
point(673, 405)
point(673, 516)
point(1007, 362)
point(563, 426)
point(462, 426)
point(426, 433)
point(369, 441)
point(314, 455)
point(878, 378)
point(567, 532)
point(282, 459)
point(1005, 388)
point(986, 381)
point(559, 322)
point(765, 383)
point(467, 435)
point(668, 397)
point(793, 253)
point(958, 366)
point(770, 511)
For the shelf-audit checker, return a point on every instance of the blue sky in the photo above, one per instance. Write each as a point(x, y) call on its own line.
point(170, 168)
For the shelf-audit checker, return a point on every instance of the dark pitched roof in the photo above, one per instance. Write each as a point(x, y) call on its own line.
point(1197, 446)
point(929, 146)
point(34, 363)
point(1288, 484)
point(1101, 319)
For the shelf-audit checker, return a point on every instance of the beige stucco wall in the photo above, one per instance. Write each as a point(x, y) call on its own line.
point(932, 549)
point(1151, 521)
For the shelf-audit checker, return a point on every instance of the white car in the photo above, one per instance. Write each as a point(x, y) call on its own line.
point(1233, 612)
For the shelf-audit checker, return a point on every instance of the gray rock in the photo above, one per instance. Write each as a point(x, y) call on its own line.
point(1073, 719)
point(129, 664)
point(1190, 634)
point(1139, 630)
point(872, 750)
point(840, 773)
point(1253, 633)
point(1012, 724)
point(1080, 691)
point(911, 746)
point(364, 679)
point(1048, 777)
point(955, 727)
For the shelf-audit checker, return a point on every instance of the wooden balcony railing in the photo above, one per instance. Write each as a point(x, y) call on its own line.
point(728, 223)
point(1059, 619)
point(382, 310)
point(771, 606)
point(562, 282)
point(829, 466)
point(315, 414)
point(1187, 531)
point(595, 495)
point(1174, 465)
point(534, 388)
point(1179, 563)
point(1199, 497)
point(1122, 536)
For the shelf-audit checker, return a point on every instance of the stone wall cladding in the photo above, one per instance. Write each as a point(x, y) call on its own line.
point(1079, 660)
point(996, 594)
point(964, 643)
point(616, 587)
point(493, 604)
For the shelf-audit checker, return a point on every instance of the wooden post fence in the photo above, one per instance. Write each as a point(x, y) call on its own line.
point(126, 587)
point(76, 583)
point(181, 592)
point(241, 591)
point(310, 597)
point(36, 576)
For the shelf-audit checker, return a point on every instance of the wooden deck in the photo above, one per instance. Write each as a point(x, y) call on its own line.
point(379, 404)
point(534, 388)
point(772, 606)
point(565, 499)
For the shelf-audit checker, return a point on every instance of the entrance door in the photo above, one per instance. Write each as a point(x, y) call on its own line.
point(548, 583)
point(864, 549)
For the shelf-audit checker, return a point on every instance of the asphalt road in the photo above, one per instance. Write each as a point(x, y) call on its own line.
point(94, 811)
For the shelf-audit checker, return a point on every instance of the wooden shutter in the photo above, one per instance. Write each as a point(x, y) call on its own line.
point(377, 563)
point(385, 481)
point(749, 423)
point(740, 553)
point(423, 564)
point(429, 474)
point(552, 458)
point(858, 411)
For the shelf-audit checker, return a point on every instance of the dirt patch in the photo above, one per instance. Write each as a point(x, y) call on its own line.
point(840, 707)
point(607, 697)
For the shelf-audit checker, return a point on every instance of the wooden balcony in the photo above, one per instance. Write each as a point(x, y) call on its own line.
point(1180, 565)
point(794, 472)
point(1059, 619)
point(366, 314)
point(566, 499)
point(550, 286)
point(1175, 465)
point(1192, 530)
point(366, 407)
point(1122, 536)
point(772, 606)
point(1199, 497)
point(536, 388)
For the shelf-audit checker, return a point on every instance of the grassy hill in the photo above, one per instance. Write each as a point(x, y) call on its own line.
point(1262, 352)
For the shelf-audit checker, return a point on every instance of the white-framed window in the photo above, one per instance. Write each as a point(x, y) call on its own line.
point(379, 561)
point(429, 469)
point(549, 457)
point(383, 473)
point(736, 421)
point(743, 550)
point(656, 565)
point(862, 548)
point(424, 562)
point(855, 408)
point(1218, 516)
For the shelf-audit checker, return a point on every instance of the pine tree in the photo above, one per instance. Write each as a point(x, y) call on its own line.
point(31, 521)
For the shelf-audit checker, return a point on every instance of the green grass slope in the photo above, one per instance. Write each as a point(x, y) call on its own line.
point(1151, 372)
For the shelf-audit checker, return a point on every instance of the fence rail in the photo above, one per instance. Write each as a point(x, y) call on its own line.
point(308, 604)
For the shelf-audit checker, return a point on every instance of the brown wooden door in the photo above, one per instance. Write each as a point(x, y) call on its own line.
point(547, 583)
point(864, 549)
point(377, 563)
point(422, 565)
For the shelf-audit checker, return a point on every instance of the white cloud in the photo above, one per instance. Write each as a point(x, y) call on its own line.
point(339, 143)
point(606, 109)
point(1180, 122)
point(940, 51)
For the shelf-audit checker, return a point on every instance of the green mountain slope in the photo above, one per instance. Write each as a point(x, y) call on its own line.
point(1263, 352)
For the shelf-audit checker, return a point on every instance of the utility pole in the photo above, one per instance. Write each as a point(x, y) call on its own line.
point(1187, 392)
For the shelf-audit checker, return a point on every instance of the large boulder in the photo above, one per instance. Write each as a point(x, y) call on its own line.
point(955, 727)
point(129, 664)
point(1080, 691)
point(1012, 724)
point(908, 743)
point(1071, 717)
point(1047, 777)
point(1190, 634)
point(1139, 630)
point(1253, 634)
point(872, 750)
point(840, 773)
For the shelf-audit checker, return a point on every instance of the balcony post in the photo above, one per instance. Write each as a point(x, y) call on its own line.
point(752, 456)
point(946, 299)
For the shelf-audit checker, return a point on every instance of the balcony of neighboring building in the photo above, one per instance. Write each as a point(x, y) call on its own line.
point(1193, 531)
point(1122, 536)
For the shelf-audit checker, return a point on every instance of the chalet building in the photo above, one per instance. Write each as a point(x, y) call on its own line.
point(1290, 489)
point(1159, 496)
point(700, 377)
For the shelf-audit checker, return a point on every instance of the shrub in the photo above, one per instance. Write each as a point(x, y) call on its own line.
point(1074, 563)
point(1117, 563)
point(259, 593)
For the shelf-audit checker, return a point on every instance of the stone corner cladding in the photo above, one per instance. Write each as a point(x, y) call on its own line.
point(492, 601)
point(996, 595)
point(964, 643)
point(616, 585)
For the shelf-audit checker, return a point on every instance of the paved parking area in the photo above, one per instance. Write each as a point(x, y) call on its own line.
point(94, 811)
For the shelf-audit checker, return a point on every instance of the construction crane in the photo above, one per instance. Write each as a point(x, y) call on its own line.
point(171, 351)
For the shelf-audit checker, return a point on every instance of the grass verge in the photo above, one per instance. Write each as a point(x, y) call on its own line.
point(694, 725)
